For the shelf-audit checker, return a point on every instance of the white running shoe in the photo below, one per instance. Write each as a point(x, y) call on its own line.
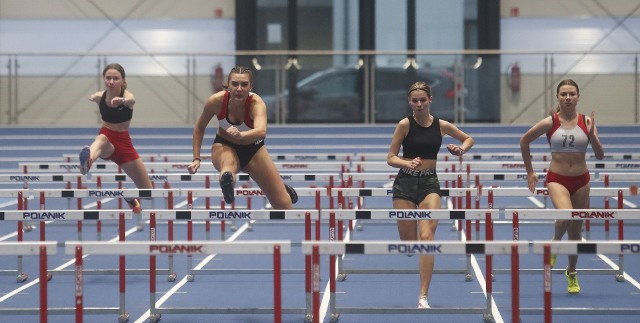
point(423, 302)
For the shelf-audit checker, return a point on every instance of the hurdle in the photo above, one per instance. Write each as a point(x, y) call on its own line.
point(619, 176)
point(545, 156)
point(21, 195)
point(316, 193)
point(329, 178)
point(455, 178)
point(63, 215)
point(41, 249)
point(546, 248)
point(177, 157)
point(189, 194)
point(153, 248)
point(154, 167)
point(576, 214)
point(386, 192)
point(100, 193)
point(252, 215)
point(413, 247)
point(31, 179)
point(173, 157)
point(399, 214)
point(606, 193)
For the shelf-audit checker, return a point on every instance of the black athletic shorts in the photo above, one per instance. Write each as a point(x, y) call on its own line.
point(414, 186)
point(244, 152)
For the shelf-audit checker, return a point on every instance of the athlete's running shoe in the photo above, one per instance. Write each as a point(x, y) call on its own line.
point(134, 204)
point(423, 302)
point(552, 261)
point(85, 160)
point(572, 280)
point(292, 193)
point(226, 184)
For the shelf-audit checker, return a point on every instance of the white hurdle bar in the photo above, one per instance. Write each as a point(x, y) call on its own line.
point(615, 176)
point(154, 167)
point(448, 176)
point(606, 192)
point(204, 177)
point(502, 165)
point(40, 178)
point(187, 158)
point(153, 248)
point(546, 248)
point(173, 157)
point(41, 249)
point(329, 178)
point(348, 192)
point(515, 215)
point(168, 193)
point(64, 215)
point(477, 178)
point(333, 215)
point(435, 247)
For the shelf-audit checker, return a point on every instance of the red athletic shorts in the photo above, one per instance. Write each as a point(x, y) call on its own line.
point(572, 183)
point(121, 141)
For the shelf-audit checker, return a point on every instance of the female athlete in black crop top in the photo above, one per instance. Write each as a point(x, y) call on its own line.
point(416, 186)
point(113, 141)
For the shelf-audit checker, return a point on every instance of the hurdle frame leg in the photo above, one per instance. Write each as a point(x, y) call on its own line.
point(22, 276)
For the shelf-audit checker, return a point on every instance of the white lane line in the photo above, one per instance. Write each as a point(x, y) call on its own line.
point(483, 284)
point(536, 201)
point(326, 295)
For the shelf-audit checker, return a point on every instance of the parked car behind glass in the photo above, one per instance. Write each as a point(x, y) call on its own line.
point(335, 95)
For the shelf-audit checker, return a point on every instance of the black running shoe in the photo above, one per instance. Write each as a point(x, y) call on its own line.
point(134, 204)
point(292, 193)
point(226, 184)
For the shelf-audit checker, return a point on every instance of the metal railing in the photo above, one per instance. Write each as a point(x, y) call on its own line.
point(469, 86)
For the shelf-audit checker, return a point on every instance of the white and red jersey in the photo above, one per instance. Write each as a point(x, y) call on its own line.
point(568, 140)
point(223, 118)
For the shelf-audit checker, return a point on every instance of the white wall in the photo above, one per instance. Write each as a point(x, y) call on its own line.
point(116, 9)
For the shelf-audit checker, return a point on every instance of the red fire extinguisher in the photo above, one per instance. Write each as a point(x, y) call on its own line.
point(514, 78)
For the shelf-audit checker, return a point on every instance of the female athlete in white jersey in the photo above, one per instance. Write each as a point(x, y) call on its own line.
point(569, 133)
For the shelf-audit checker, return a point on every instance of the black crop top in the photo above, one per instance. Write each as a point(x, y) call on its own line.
point(119, 114)
point(423, 142)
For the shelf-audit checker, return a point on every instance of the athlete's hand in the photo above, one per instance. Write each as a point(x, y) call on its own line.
point(415, 163)
point(591, 127)
point(233, 132)
point(455, 150)
point(193, 168)
point(532, 179)
point(94, 98)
